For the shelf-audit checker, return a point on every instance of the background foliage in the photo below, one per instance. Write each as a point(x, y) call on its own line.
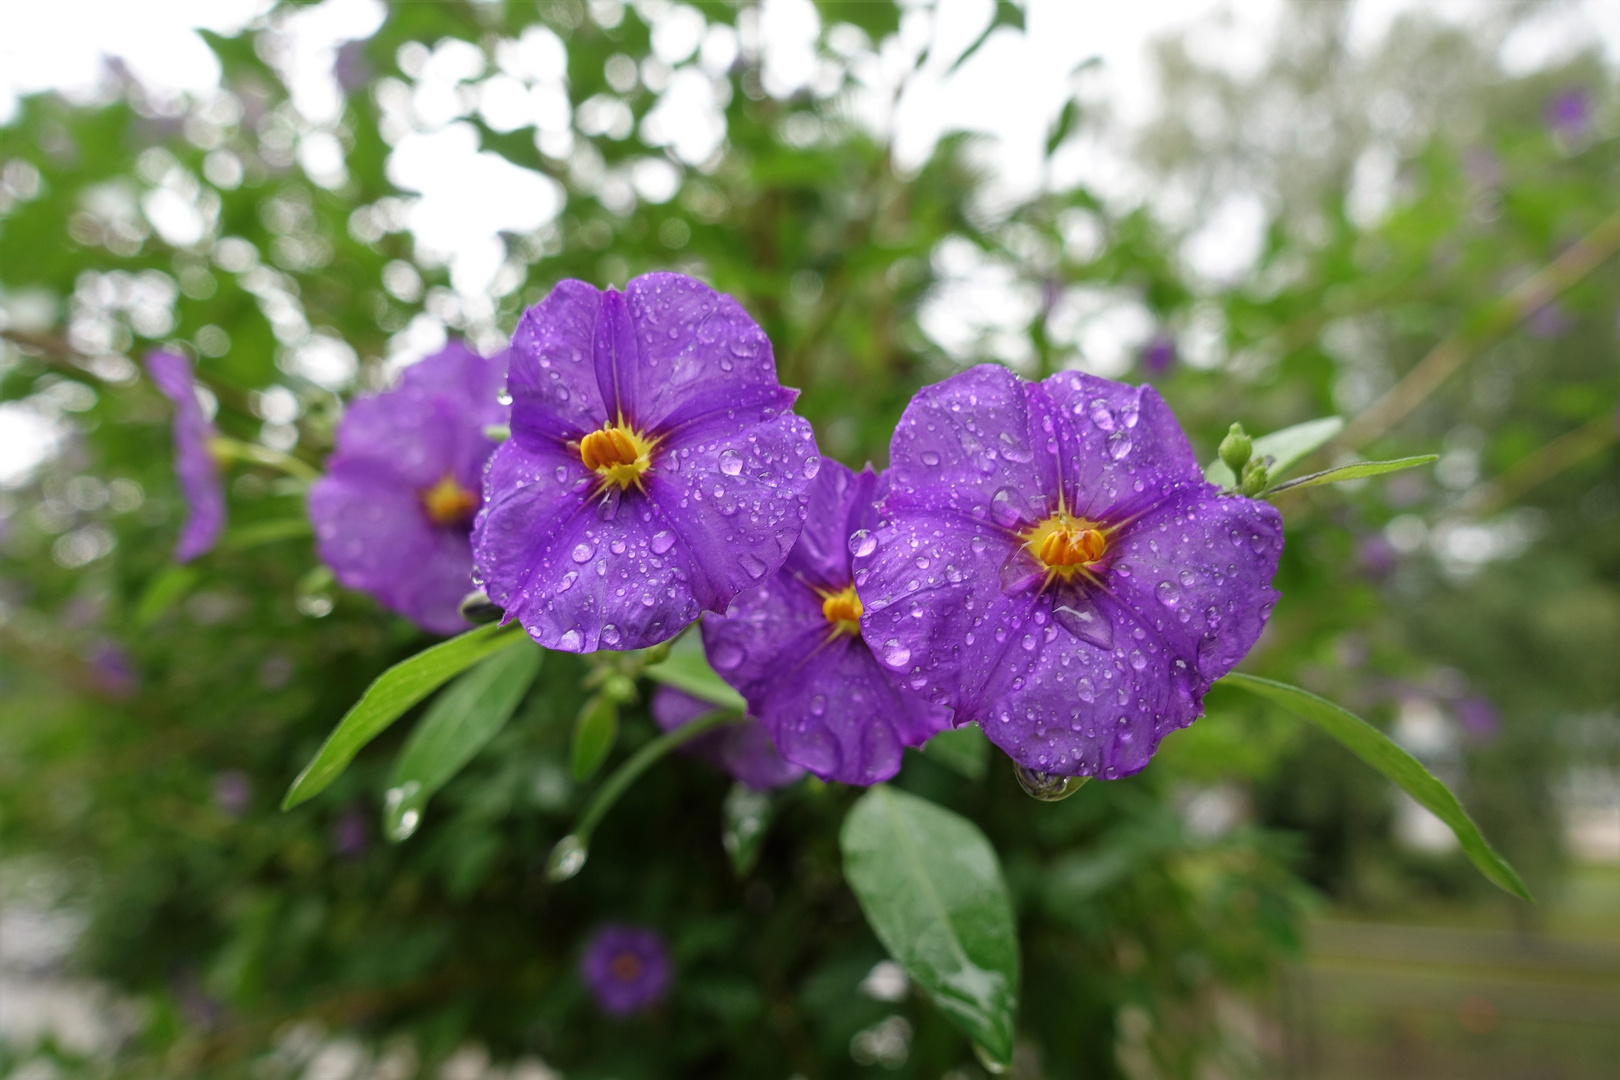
point(154, 715)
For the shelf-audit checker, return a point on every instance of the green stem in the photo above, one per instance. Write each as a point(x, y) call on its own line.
point(226, 449)
point(642, 760)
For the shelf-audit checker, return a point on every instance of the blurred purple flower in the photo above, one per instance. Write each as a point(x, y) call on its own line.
point(1376, 556)
point(1159, 355)
point(112, 672)
point(1478, 718)
point(194, 464)
point(626, 968)
point(350, 837)
point(744, 750)
point(1569, 114)
point(654, 470)
point(793, 647)
point(350, 67)
point(1054, 566)
point(233, 791)
point(393, 512)
point(1550, 320)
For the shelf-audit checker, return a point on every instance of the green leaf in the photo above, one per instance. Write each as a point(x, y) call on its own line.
point(456, 726)
point(931, 888)
point(1354, 472)
point(687, 669)
point(266, 532)
point(1007, 14)
point(386, 700)
point(963, 750)
point(1284, 448)
point(166, 587)
point(1379, 751)
point(595, 732)
point(745, 818)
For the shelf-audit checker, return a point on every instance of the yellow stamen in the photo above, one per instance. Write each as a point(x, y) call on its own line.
point(618, 453)
point(448, 503)
point(843, 610)
point(1066, 545)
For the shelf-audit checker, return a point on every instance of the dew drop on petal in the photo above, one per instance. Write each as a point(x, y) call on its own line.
point(731, 462)
point(661, 542)
point(1167, 593)
point(895, 654)
point(930, 458)
point(583, 551)
point(862, 543)
point(753, 564)
point(725, 656)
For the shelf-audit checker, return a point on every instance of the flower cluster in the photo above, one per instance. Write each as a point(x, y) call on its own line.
point(1043, 559)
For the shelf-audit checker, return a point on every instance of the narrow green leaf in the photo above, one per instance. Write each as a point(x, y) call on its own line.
point(1284, 448)
point(687, 668)
point(266, 532)
point(1354, 472)
point(386, 700)
point(455, 727)
point(1007, 14)
point(931, 888)
point(595, 732)
point(745, 818)
point(1382, 753)
point(963, 750)
point(167, 586)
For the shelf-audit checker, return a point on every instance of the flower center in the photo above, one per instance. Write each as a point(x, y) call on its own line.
point(448, 503)
point(618, 453)
point(625, 967)
point(1066, 545)
point(843, 610)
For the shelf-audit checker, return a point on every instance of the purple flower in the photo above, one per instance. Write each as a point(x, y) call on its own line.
point(793, 648)
point(626, 968)
point(350, 67)
point(195, 466)
point(1053, 565)
point(744, 750)
point(350, 838)
point(112, 672)
point(1569, 115)
point(233, 791)
point(393, 512)
point(1159, 355)
point(653, 471)
point(1478, 718)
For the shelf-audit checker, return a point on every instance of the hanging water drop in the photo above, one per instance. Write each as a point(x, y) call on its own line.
point(567, 858)
point(1045, 786)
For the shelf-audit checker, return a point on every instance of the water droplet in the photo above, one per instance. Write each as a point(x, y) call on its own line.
point(895, 654)
point(1002, 508)
point(402, 810)
point(818, 705)
point(753, 564)
point(862, 543)
point(610, 635)
point(1167, 593)
point(1119, 444)
point(1045, 786)
point(662, 542)
point(1085, 620)
point(567, 858)
point(725, 656)
point(731, 462)
point(930, 458)
point(1188, 579)
point(1100, 415)
point(583, 551)
point(571, 641)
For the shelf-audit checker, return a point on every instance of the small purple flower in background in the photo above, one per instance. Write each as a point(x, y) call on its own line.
point(1550, 320)
point(1569, 114)
point(744, 750)
point(1053, 565)
point(1478, 718)
point(350, 837)
point(654, 470)
point(233, 792)
point(794, 649)
point(1376, 556)
point(626, 968)
point(1158, 355)
point(350, 67)
point(112, 672)
point(393, 512)
point(195, 466)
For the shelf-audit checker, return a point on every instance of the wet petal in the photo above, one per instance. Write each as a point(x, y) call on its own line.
point(194, 465)
point(553, 381)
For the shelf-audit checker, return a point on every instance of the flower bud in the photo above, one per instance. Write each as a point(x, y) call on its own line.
point(1236, 448)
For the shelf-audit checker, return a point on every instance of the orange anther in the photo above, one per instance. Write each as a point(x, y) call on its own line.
point(448, 503)
point(843, 610)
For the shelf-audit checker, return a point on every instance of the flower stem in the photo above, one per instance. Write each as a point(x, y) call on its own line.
point(226, 449)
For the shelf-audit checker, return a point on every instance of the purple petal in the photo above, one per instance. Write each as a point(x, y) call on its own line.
point(553, 382)
point(626, 968)
point(194, 465)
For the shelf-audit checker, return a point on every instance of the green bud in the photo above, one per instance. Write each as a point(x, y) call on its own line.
point(1255, 478)
point(619, 689)
point(1236, 449)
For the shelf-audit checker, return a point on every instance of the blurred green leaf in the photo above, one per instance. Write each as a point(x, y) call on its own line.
point(1284, 448)
point(1382, 753)
point(963, 750)
point(1354, 472)
point(386, 700)
point(686, 668)
point(166, 587)
point(931, 888)
point(595, 732)
point(455, 727)
point(1007, 14)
